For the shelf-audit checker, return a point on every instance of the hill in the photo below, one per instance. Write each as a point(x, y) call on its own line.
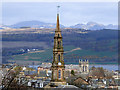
point(33, 24)
point(69, 57)
point(97, 46)
point(39, 24)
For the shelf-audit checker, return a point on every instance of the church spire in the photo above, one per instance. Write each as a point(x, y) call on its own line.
point(58, 25)
point(58, 9)
point(58, 66)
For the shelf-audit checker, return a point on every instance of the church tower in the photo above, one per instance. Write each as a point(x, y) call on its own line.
point(58, 66)
point(84, 66)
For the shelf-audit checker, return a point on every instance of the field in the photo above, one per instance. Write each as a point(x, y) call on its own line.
point(72, 55)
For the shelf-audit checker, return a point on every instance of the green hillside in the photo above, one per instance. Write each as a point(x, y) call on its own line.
point(69, 57)
point(99, 46)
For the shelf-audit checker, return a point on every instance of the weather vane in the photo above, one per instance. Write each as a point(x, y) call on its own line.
point(58, 8)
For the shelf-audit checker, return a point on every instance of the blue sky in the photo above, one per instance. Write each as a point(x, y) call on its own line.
point(71, 13)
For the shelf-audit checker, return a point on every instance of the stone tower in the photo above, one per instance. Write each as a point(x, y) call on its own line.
point(84, 66)
point(58, 66)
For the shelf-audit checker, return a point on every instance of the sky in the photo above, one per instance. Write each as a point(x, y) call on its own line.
point(60, 1)
point(71, 13)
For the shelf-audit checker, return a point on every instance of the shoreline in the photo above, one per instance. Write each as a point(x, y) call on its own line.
point(94, 63)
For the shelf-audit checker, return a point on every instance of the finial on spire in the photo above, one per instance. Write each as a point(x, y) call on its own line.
point(58, 9)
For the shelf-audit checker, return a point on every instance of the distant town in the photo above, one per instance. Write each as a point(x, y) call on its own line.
point(38, 76)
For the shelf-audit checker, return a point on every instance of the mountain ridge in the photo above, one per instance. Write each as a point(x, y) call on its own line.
point(94, 26)
point(39, 24)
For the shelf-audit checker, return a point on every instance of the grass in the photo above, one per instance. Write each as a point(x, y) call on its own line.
point(89, 53)
point(38, 56)
point(48, 55)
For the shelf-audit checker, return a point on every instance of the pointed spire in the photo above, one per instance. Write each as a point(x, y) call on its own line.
point(58, 26)
point(58, 9)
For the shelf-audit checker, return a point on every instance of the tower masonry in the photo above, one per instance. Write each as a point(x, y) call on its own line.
point(84, 66)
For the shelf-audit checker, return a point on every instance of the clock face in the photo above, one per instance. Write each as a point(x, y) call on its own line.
point(59, 63)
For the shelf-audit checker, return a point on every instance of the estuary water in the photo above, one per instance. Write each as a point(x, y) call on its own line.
point(108, 67)
point(105, 66)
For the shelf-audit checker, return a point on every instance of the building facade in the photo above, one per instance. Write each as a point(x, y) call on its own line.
point(84, 66)
point(58, 66)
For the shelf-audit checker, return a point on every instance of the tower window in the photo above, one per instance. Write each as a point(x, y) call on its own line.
point(59, 74)
point(83, 69)
point(59, 58)
point(58, 35)
point(58, 44)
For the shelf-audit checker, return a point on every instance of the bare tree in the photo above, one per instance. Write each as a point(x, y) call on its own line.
point(99, 72)
point(12, 79)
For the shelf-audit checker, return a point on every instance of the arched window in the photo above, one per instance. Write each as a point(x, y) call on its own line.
point(58, 44)
point(83, 69)
point(59, 74)
point(59, 57)
point(58, 35)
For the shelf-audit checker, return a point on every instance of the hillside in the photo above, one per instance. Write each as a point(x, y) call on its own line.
point(69, 57)
point(97, 46)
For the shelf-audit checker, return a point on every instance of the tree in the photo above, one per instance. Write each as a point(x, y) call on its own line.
point(99, 72)
point(12, 80)
point(72, 72)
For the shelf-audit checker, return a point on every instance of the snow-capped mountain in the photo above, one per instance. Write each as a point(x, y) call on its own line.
point(111, 26)
point(34, 24)
point(4, 27)
point(39, 24)
point(94, 26)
